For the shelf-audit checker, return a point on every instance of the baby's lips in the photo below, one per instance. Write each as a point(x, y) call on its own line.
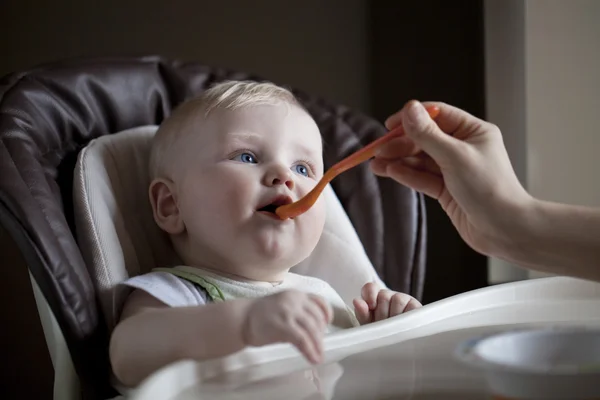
point(278, 201)
point(282, 200)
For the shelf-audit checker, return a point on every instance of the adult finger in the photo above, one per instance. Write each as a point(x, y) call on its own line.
point(421, 181)
point(422, 162)
point(379, 167)
point(451, 120)
point(426, 134)
point(399, 147)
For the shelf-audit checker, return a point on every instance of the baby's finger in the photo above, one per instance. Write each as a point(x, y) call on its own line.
point(310, 340)
point(398, 304)
point(401, 303)
point(383, 305)
point(315, 311)
point(324, 306)
point(361, 309)
point(369, 294)
point(412, 304)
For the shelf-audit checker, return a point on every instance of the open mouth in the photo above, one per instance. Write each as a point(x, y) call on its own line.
point(276, 202)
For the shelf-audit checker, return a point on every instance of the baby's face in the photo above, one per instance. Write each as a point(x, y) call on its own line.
point(234, 169)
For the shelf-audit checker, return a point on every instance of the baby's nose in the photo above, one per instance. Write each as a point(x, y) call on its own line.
point(280, 176)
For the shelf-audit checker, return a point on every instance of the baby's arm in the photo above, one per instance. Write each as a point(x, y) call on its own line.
point(377, 304)
point(151, 334)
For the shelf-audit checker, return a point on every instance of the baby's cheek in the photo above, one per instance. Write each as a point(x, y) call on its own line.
point(231, 185)
point(319, 209)
point(315, 220)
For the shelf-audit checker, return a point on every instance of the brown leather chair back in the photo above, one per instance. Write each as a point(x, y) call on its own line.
point(48, 114)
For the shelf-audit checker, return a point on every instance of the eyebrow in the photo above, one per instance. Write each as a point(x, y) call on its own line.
point(308, 151)
point(254, 137)
point(243, 135)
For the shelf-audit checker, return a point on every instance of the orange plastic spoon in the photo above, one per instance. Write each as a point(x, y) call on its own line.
point(304, 204)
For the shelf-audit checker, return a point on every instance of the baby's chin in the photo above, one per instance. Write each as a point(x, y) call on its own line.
point(277, 256)
point(273, 257)
point(292, 246)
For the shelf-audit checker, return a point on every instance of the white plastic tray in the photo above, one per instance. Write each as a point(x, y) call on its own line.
point(434, 329)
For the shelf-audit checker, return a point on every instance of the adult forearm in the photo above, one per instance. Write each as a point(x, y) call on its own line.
point(147, 341)
point(558, 238)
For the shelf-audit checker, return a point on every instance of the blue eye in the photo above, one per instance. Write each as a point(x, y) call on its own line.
point(302, 170)
point(245, 158)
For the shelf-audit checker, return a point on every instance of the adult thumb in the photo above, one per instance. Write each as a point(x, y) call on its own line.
point(423, 130)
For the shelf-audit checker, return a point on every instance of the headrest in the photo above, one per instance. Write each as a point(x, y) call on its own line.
point(119, 238)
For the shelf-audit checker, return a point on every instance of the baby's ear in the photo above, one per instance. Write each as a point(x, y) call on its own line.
point(163, 198)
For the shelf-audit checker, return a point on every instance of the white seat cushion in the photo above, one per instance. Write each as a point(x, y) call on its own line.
point(119, 238)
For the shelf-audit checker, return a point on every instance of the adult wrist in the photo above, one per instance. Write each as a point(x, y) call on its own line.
point(518, 230)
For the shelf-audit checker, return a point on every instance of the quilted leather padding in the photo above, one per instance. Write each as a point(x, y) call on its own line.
point(49, 113)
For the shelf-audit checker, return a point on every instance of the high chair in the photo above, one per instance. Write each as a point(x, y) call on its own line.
point(73, 196)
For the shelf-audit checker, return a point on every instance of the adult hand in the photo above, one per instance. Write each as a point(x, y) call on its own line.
point(461, 161)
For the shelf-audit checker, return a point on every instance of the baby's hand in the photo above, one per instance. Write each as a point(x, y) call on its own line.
point(377, 304)
point(291, 316)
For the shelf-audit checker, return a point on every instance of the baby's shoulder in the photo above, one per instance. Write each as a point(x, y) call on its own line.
point(155, 278)
point(168, 288)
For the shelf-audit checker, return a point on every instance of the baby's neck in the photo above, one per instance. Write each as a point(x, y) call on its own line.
point(273, 279)
point(215, 264)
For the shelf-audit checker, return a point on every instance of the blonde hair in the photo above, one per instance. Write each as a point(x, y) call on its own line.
point(228, 95)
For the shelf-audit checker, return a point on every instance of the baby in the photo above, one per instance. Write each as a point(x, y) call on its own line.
point(219, 166)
